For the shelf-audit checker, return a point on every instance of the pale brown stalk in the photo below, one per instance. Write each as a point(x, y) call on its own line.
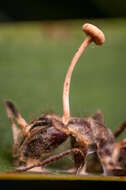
point(93, 34)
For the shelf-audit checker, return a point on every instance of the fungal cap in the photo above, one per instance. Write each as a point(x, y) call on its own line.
point(93, 31)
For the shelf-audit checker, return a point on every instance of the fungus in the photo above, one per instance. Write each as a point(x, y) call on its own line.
point(95, 35)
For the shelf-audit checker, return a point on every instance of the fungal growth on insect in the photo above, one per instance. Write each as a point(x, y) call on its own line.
point(34, 142)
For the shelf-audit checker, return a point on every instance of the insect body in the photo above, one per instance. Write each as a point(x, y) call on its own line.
point(91, 136)
point(35, 141)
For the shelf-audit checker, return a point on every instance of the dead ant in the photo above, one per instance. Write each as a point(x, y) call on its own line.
point(34, 141)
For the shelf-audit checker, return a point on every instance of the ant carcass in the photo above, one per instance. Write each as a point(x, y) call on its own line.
point(36, 140)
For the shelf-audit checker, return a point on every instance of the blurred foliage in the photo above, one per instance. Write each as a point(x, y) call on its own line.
point(34, 58)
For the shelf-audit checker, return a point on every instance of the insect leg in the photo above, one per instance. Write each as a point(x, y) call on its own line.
point(108, 153)
point(99, 117)
point(15, 131)
point(77, 158)
point(120, 129)
point(53, 158)
point(11, 110)
point(95, 162)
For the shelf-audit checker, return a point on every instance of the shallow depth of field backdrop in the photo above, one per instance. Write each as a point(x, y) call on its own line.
point(34, 57)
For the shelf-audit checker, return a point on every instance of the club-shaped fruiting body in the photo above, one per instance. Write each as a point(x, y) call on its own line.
point(95, 33)
point(47, 132)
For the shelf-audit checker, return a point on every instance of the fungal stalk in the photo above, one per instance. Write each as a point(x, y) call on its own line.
point(94, 34)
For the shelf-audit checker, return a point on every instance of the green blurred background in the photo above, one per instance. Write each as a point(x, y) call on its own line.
point(34, 57)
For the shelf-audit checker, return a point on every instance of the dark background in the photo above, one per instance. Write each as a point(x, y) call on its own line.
point(27, 10)
point(37, 184)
